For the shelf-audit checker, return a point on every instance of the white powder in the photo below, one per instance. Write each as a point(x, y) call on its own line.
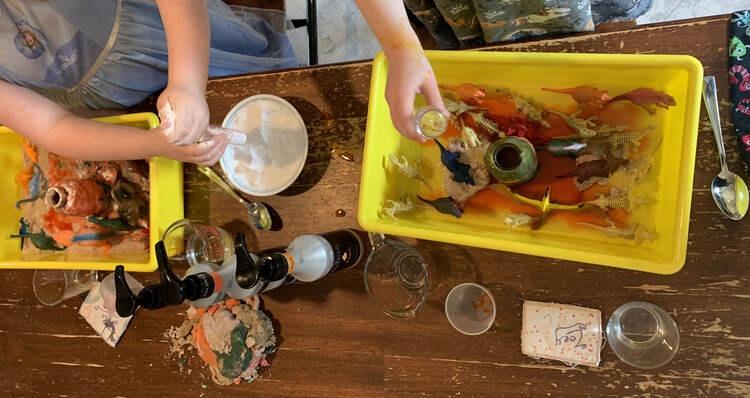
point(275, 148)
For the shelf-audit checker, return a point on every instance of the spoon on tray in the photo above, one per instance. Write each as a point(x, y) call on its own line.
point(728, 189)
point(257, 213)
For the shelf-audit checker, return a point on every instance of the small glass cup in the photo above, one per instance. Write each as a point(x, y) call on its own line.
point(197, 244)
point(53, 286)
point(643, 335)
point(470, 308)
point(430, 122)
point(397, 277)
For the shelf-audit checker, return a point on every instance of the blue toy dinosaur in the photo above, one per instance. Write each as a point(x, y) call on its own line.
point(34, 187)
point(459, 170)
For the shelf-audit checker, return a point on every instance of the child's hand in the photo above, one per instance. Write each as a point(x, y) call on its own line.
point(184, 115)
point(205, 153)
point(410, 73)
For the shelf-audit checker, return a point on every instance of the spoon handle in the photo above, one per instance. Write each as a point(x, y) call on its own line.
point(712, 106)
point(208, 172)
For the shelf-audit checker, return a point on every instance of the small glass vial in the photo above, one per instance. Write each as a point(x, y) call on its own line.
point(430, 122)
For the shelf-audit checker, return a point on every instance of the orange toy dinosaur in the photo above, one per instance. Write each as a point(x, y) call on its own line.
point(584, 95)
point(468, 92)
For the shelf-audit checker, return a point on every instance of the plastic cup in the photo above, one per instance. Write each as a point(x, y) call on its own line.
point(643, 335)
point(470, 308)
point(52, 286)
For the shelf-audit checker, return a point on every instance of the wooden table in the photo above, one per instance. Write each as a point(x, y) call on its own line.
point(333, 342)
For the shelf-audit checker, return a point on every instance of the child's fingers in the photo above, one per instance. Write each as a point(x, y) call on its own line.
point(185, 129)
point(432, 95)
point(209, 152)
point(402, 108)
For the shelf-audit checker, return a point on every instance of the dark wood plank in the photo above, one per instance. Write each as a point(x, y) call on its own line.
point(335, 343)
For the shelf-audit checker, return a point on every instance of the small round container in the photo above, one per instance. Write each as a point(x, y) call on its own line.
point(430, 122)
point(276, 147)
point(512, 160)
point(643, 335)
point(470, 308)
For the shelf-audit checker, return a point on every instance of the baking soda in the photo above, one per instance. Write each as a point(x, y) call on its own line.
point(275, 149)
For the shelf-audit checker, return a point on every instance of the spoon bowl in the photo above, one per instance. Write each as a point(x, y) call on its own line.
point(730, 194)
point(728, 189)
point(257, 213)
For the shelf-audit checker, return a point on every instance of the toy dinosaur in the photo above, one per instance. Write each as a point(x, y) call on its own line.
point(469, 137)
point(468, 92)
point(636, 232)
point(625, 140)
point(115, 224)
point(395, 206)
point(640, 168)
point(444, 205)
point(458, 169)
point(583, 127)
point(40, 240)
point(605, 130)
point(407, 169)
point(459, 107)
point(603, 167)
point(34, 187)
point(616, 200)
point(504, 190)
point(565, 147)
point(520, 127)
point(646, 98)
point(527, 108)
point(486, 123)
point(584, 95)
point(516, 220)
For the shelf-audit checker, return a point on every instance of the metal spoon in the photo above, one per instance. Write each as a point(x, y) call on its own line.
point(257, 212)
point(729, 190)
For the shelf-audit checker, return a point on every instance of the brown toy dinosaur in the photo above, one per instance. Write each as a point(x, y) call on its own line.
point(584, 95)
point(646, 97)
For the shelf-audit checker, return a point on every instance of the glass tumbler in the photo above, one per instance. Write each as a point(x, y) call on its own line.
point(53, 286)
point(397, 277)
point(197, 244)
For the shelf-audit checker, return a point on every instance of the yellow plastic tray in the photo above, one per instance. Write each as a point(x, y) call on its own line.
point(166, 206)
point(670, 181)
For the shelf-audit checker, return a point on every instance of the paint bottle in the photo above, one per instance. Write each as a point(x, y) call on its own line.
point(311, 257)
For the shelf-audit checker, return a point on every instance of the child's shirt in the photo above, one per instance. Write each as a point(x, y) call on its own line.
point(53, 44)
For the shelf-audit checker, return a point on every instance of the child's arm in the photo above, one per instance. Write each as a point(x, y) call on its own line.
point(188, 41)
point(409, 72)
point(47, 124)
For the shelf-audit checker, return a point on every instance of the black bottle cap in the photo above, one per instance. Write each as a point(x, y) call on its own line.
point(273, 267)
point(246, 273)
point(198, 286)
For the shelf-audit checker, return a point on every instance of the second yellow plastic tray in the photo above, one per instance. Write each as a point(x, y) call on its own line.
point(670, 181)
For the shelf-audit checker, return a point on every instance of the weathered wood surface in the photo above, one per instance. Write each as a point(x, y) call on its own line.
point(334, 343)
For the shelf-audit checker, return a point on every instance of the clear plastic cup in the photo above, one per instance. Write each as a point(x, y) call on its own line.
point(52, 286)
point(470, 308)
point(643, 335)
